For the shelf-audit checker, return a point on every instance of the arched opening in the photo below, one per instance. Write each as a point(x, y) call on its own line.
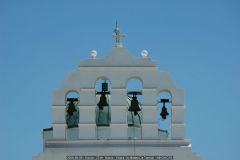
point(103, 102)
point(134, 114)
point(164, 100)
point(72, 110)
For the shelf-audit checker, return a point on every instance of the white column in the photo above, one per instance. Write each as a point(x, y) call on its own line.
point(149, 109)
point(87, 131)
point(87, 97)
point(87, 122)
point(178, 131)
point(119, 114)
point(149, 97)
point(59, 131)
point(87, 114)
point(150, 131)
point(59, 122)
point(118, 124)
point(177, 122)
point(177, 114)
point(149, 114)
point(59, 114)
point(118, 131)
point(118, 97)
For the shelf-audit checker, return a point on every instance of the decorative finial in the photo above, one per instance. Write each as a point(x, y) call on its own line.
point(93, 54)
point(144, 54)
point(118, 36)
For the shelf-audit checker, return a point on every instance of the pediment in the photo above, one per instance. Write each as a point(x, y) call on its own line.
point(119, 57)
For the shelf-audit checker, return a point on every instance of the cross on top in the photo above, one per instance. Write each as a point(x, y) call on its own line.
point(118, 36)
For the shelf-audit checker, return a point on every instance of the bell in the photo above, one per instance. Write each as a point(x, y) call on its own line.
point(102, 102)
point(104, 87)
point(71, 108)
point(164, 112)
point(134, 107)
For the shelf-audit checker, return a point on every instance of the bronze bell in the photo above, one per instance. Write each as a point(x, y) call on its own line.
point(71, 107)
point(103, 101)
point(164, 113)
point(134, 107)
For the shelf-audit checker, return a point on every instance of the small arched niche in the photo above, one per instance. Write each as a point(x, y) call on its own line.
point(164, 101)
point(134, 113)
point(72, 109)
point(103, 102)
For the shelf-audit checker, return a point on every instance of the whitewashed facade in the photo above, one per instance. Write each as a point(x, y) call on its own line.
point(118, 140)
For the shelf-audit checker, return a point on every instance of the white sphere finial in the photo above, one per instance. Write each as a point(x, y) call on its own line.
point(144, 53)
point(93, 54)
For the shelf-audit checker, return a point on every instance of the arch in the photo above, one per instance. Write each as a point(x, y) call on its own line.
point(177, 95)
point(165, 91)
point(72, 93)
point(99, 80)
point(103, 96)
point(135, 84)
point(102, 78)
point(134, 118)
point(72, 109)
point(134, 78)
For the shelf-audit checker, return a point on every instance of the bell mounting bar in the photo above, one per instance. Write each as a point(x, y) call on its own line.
point(72, 99)
point(104, 92)
point(164, 101)
point(134, 93)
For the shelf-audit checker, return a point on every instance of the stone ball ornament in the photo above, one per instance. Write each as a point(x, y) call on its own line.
point(144, 54)
point(93, 54)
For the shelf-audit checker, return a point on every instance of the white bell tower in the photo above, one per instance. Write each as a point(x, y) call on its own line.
point(96, 116)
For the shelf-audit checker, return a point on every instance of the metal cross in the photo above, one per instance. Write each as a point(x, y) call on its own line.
point(118, 35)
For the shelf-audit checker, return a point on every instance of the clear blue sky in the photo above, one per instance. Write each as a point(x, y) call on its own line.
point(198, 42)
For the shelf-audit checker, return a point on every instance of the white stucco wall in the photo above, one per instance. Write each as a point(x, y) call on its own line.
point(118, 67)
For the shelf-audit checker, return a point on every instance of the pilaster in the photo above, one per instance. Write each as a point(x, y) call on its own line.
point(118, 131)
point(177, 115)
point(149, 114)
point(149, 131)
point(119, 114)
point(118, 97)
point(59, 114)
point(59, 131)
point(149, 97)
point(87, 114)
point(87, 97)
point(178, 131)
point(118, 125)
point(87, 131)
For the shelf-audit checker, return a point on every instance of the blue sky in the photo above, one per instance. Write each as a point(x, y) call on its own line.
point(198, 42)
